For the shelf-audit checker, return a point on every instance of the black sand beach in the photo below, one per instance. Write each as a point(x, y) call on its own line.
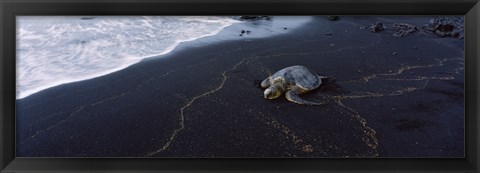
point(392, 97)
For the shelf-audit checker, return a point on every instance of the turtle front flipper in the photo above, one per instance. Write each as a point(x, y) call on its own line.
point(293, 96)
point(265, 83)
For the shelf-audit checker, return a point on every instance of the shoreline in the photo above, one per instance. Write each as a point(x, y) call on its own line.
point(227, 33)
point(205, 102)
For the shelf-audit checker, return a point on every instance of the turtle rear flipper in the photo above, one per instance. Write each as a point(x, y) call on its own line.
point(327, 79)
point(293, 96)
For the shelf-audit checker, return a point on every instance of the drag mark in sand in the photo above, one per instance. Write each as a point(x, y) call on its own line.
point(218, 55)
point(399, 71)
point(289, 134)
point(189, 67)
point(373, 143)
point(78, 109)
point(269, 73)
point(189, 103)
point(371, 140)
point(457, 70)
point(406, 68)
point(109, 99)
point(371, 95)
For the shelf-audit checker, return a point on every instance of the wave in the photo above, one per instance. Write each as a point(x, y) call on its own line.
point(55, 50)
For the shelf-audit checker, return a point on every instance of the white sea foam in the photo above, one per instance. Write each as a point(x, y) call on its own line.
point(54, 50)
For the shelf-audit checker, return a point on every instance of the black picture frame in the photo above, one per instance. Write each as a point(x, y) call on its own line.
point(11, 8)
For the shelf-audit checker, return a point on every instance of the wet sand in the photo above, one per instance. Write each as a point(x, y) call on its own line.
point(206, 101)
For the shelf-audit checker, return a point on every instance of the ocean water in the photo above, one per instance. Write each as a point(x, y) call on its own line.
point(55, 50)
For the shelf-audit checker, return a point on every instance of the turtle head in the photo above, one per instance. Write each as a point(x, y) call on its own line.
point(272, 93)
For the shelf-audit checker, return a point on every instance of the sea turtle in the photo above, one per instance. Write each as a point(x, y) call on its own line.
point(292, 81)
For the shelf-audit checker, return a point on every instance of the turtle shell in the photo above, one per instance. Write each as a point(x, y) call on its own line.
point(300, 76)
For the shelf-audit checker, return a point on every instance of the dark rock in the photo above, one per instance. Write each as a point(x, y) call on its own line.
point(451, 26)
point(267, 17)
point(87, 18)
point(333, 18)
point(249, 17)
point(328, 33)
point(243, 31)
point(445, 28)
point(248, 31)
point(255, 18)
point(403, 29)
point(377, 27)
point(285, 28)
